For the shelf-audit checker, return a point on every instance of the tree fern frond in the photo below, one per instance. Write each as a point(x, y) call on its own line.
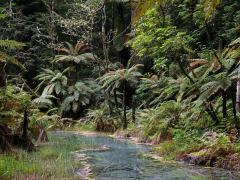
point(11, 44)
point(10, 59)
point(210, 7)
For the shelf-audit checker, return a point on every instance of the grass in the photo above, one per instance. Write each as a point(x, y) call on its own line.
point(10, 166)
point(86, 127)
point(81, 127)
point(51, 161)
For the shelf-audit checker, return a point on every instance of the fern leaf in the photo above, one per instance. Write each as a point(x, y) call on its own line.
point(11, 44)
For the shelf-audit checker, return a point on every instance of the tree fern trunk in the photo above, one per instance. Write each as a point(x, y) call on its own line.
point(25, 125)
point(224, 101)
point(133, 110)
point(212, 114)
point(116, 102)
point(238, 96)
point(124, 105)
point(25, 141)
point(235, 111)
point(5, 133)
point(3, 76)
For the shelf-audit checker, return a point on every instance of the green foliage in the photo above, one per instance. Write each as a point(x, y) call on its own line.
point(9, 59)
point(102, 120)
point(153, 91)
point(13, 102)
point(43, 101)
point(217, 141)
point(120, 80)
point(161, 119)
point(9, 166)
point(3, 14)
point(187, 86)
point(182, 142)
point(55, 82)
point(78, 18)
point(141, 7)
point(77, 96)
point(11, 44)
point(163, 43)
point(54, 161)
point(210, 7)
point(75, 54)
point(114, 79)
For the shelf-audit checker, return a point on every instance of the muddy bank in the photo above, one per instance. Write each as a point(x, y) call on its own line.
point(219, 158)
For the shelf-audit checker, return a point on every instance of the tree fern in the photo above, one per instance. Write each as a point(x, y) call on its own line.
point(52, 81)
point(43, 101)
point(78, 95)
point(77, 54)
point(122, 78)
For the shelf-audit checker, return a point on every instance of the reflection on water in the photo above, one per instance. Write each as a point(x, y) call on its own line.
point(123, 162)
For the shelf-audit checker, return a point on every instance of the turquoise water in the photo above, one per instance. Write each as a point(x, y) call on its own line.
point(123, 162)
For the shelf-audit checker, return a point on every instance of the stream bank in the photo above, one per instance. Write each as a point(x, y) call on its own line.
point(221, 154)
point(124, 161)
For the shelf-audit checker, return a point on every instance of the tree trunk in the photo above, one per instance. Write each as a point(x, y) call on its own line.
point(25, 125)
point(235, 111)
point(212, 114)
point(238, 96)
point(24, 141)
point(69, 73)
point(184, 71)
point(3, 76)
point(209, 32)
point(224, 101)
point(116, 102)
point(5, 134)
point(124, 105)
point(104, 38)
point(133, 110)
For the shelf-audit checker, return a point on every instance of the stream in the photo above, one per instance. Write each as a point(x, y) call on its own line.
point(122, 162)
